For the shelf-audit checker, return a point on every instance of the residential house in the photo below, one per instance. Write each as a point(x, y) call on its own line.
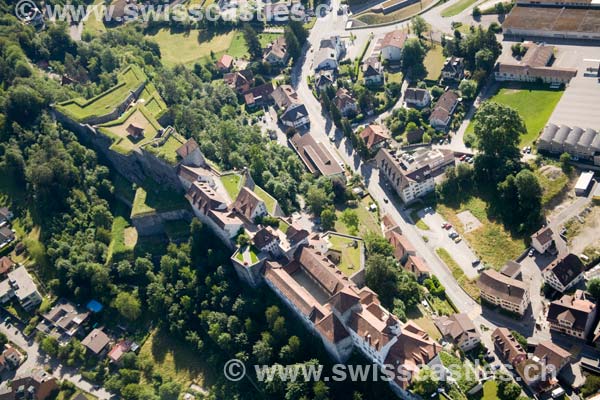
point(403, 248)
point(511, 269)
point(5, 216)
point(329, 53)
point(535, 65)
point(324, 78)
point(64, 320)
point(96, 342)
point(375, 136)
point(507, 347)
point(564, 273)
point(500, 290)
point(276, 52)
point(225, 63)
point(295, 116)
point(417, 266)
point(259, 96)
point(372, 70)
point(459, 329)
point(316, 157)
point(345, 102)
point(572, 315)
point(285, 96)
point(417, 97)
point(33, 385)
point(392, 45)
point(240, 81)
point(7, 236)
point(453, 69)
point(6, 265)
point(10, 358)
point(552, 356)
point(409, 179)
point(19, 284)
point(542, 240)
point(118, 351)
point(443, 110)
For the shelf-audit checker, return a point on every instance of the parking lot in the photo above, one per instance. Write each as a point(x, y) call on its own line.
point(438, 237)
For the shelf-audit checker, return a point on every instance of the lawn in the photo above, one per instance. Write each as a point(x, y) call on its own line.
point(462, 371)
point(123, 143)
point(147, 202)
point(393, 77)
point(372, 18)
point(490, 242)
point(490, 390)
point(270, 202)
point(350, 261)
point(457, 8)
point(232, 184)
point(123, 239)
point(248, 252)
point(534, 103)
point(368, 220)
point(80, 109)
point(424, 321)
point(93, 25)
point(414, 215)
point(434, 62)
point(553, 181)
point(469, 286)
point(172, 359)
point(168, 150)
point(191, 46)
point(239, 49)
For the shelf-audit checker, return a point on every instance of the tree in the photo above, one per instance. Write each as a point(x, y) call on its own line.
point(591, 385)
point(23, 104)
point(291, 41)
point(565, 163)
point(593, 287)
point(328, 218)
point(169, 390)
point(128, 305)
point(3, 340)
point(468, 89)
point(476, 12)
point(485, 59)
point(508, 389)
point(381, 277)
point(426, 383)
point(252, 41)
point(413, 55)
point(350, 219)
point(419, 26)
point(316, 199)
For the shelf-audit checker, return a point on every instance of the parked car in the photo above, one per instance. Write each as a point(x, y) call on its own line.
point(385, 200)
point(475, 262)
point(453, 235)
point(448, 226)
point(457, 239)
point(530, 254)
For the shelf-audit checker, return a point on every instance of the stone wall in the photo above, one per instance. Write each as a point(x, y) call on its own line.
point(154, 223)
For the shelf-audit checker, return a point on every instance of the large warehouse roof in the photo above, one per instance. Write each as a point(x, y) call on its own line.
point(553, 19)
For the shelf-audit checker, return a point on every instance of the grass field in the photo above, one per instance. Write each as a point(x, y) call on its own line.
point(93, 25)
point(457, 8)
point(371, 18)
point(239, 49)
point(490, 390)
point(123, 238)
point(425, 321)
point(552, 182)
point(350, 261)
point(123, 142)
point(172, 358)
point(469, 286)
point(368, 220)
point(232, 183)
point(534, 103)
point(168, 150)
point(80, 109)
point(190, 47)
point(434, 61)
point(490, 242)
point(266, 197)
point(157, 201)
point(393, 77)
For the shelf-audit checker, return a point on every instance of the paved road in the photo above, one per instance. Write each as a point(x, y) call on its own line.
point(36, 359)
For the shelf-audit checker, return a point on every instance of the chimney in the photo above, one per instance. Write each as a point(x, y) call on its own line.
point(508, 289)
